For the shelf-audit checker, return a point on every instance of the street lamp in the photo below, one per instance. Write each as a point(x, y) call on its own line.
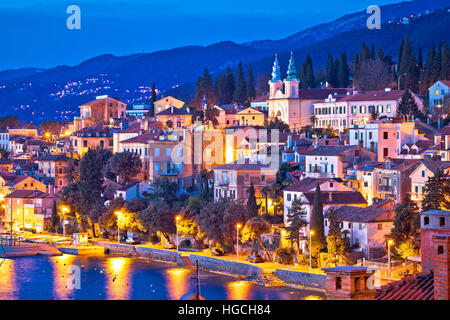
point(311, 233)
point(64, 211)
point(119, 214)
point(390, 242)
point(177, 218)
point(238, 226)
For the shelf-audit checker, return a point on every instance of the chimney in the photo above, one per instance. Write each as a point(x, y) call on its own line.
point(349, 283)
point(330, 196)
point(441, 262)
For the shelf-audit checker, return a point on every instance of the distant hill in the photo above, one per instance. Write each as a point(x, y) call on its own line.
point(37, 94)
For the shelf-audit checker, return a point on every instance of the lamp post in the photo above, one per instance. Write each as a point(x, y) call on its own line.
point(118, 213)
point(11, 236)
point(177, 218)
point(311, 233)
point(238, 226)
point(64, 211)
point(389, 260)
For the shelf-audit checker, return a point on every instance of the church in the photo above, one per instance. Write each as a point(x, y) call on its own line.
point(289, 103)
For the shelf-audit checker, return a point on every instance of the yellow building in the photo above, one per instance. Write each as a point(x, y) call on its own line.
point(249, 117)
point(167, 102)
point(178, 117)
point(30, 209)
point(8, 180)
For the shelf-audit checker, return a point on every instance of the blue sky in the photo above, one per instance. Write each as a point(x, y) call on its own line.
point(34, 33)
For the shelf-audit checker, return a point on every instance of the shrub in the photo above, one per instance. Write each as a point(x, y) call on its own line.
point(154, 239)
point(186, 243)
point(285, 255)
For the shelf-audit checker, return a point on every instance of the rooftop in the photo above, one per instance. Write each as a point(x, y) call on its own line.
point(415, 287)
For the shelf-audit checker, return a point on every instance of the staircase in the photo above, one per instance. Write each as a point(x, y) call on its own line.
point(270, 280)
point(187, 262)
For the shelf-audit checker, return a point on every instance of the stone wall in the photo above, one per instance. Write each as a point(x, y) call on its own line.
point(159, 254)
point(118, 248)
point(305, 279)
point(226, 266)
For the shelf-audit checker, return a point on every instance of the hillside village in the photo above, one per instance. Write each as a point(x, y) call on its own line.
point(305, 177)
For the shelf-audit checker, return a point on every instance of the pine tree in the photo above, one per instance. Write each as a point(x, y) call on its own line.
point(252, 206)
point(317, 222)
point(296, 220)
point(307, 73)
point(372, 52)
point(330, 76)
point(229, 86)
point(250, 85)
point(241, 87)
point(406, 221)
point(205, 87)
point(408, 107)
point(343, 73)
point(437, 192)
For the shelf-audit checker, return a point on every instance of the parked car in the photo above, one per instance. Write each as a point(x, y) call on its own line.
point(169, 245)
point(256, 259)
point(217, 252)
point(133, 241)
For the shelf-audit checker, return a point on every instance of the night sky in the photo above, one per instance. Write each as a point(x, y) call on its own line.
point(34, 32)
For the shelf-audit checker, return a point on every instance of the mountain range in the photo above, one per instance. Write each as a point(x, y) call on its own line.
point(41, 94)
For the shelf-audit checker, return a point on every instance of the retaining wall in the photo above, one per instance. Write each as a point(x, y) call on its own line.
point(226, 266)
point(305, 279)
point(159, 254)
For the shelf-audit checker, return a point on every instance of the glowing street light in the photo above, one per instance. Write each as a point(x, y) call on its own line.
point(177, 218)
point(390, 242)
point(311, 233)
point(64, 211)
point(118, 214)
point(238, 226)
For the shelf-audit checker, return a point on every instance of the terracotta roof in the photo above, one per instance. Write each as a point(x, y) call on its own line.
point(337, 197)
point(143, 138)
point(135, 128)
point(375, 96)
point(173, 111)
point(435, 166)
point(53, 157)
point(100, 100)
point(329, 150)
point(415, 287)
point(29, 194)
point(363, 215)
point(446, 82)
point(307, 184)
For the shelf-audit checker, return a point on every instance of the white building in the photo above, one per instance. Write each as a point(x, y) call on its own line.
point(365, 228)
point(342, 112)
point(4, 140)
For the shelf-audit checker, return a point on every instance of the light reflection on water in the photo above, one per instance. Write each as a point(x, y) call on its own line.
point(113, 277)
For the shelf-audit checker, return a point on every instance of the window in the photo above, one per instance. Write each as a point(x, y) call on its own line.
point(423, 173)
point(157, 166)
point(168, 151)
point(388, 108)
point(416, 189)
point(338, 283)
point(156, 152)
point(440, 250)
point(385, 152)
point(385, 135)
point(441, 221)
point(380, 226)
point(426, 221)
point(246, 177)
point(288, 197)
point(357, 281)
point(380, 109)
point(370, 135)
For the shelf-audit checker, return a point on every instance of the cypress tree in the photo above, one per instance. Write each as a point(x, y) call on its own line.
point(252, 206)
point(219, 87)
point(241, 86)
point(250, 85)
point(152, 101)
point(229, 86)
point(380, 54)
point(343, 73)
point(317, 222)
point(420, 59)
point(365, 53)
point(372, 52)
point(437, 189)
point(307, 73)
point(55, 221)
point(445, 63)
point(330, 69)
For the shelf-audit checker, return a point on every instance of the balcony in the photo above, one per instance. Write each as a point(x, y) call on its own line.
point(169, 173)
point(351, 176)
point(386, 188)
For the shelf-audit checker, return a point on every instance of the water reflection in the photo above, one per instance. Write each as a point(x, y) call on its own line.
point(117, 272)
point(8, 278)
point(60, 276)
point(178, 282)
point(238, 290)
point(313, 297)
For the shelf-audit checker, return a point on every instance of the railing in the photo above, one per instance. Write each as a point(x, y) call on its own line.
point(10, 242)
point(386, 188)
